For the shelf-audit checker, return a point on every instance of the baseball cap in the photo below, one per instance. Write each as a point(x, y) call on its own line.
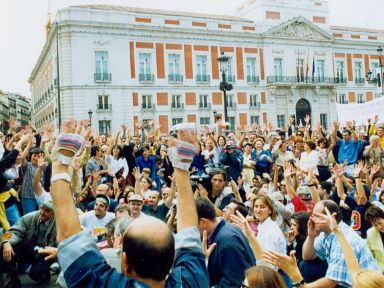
point(277, 196)
point(303, 190)
point(135, 197)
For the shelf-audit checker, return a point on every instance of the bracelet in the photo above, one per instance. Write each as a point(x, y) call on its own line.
point(299, 284)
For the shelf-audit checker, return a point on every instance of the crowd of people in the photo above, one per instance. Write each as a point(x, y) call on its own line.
point(258, 206)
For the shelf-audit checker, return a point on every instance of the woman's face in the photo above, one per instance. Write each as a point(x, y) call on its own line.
point(373, 143)
point(382, 198)
point(294, 227)
point(261, 210)
point(248, 149)
point(259, 145)
point(116, 151)
point(221, 141)
point(144, 184)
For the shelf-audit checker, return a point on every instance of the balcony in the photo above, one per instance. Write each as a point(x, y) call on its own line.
point(204, 105)
point(295, 80)
point(103, 77)
point(253, 79)
point(104, 107)
point(177, 106)
point(230, 78)
point(175, 78)
point(340, 80)
point(203, 78)
point(148, 107)
point(146, 78)
point(254, 105)
point(359, 80)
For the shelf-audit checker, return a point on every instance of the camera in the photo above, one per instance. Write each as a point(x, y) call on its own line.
point(230, 146)
point(205, 178)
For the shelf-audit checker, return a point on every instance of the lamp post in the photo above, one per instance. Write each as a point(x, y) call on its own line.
point(224, 85)
point(90, 112)
point(377, 79)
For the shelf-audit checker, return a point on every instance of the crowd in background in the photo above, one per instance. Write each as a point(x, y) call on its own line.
point(298, 206)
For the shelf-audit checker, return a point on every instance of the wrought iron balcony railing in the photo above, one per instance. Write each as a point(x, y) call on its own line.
point(253, 79)
point(103, 77)
point(146, 78)
point(203, 78)
point(176, 78)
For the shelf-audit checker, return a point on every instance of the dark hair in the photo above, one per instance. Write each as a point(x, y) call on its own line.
point(240, 206)
point(327, 186)
point(347, 131)
point(248, 144)
point(311, 145)
point(110, 226)
point(149, 259)
point(325, 140)
point(332, 208)
point(220, 172)
point(261, 276)
point(118, 146)
point(35, 150)
point(302, 221)
point(374, 213)
point(149, 180)
point(144, 147)
point(94, 150)
point(221, 136)
point(205, 209)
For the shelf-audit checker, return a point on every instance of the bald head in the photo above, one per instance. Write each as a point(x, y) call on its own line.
point(102, 189)
point(149, 249)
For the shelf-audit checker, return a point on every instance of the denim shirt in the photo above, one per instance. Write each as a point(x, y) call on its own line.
point(84, 266)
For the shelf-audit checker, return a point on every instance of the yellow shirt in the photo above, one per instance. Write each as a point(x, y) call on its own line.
point(375, 244)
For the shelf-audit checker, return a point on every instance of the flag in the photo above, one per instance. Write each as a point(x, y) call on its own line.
point(307, 67)
point(313, 67)
point(298, 66)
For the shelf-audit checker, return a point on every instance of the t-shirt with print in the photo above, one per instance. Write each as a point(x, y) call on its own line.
point(358, 222)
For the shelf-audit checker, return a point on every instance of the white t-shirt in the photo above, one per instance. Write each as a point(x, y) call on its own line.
point(92, 223)
point(116, 165)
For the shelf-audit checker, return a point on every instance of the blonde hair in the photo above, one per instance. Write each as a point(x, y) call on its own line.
point(375, 138)
point(368, 279)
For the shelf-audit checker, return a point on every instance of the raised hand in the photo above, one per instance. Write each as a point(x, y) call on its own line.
point(286, 263)
point(207, 251)
point(202, 191)
point(136, 173)
point(76, 164)
point(311, 228)
point(358, 168)
point(41, 163)
point(328, 219)
point(287, 169)
point(240, 221)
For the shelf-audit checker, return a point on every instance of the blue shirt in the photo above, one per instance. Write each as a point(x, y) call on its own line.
point(348, 151)
point(84, 266)
point(149, 163)
point(328, 248)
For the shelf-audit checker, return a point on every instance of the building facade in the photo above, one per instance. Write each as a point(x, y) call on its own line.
point(14, 106)
point(131, 64)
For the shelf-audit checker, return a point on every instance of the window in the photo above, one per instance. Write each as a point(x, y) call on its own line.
point(360, 98)
point(103, 103)
point(278, 68)
point(343, 99)
point(255, 119)
point(201, 69)
point(358, 73)
point(231, 101)
point(300, 70)
point(177, 101)
point(104, 126)
point(320, 70)
point(176, 121)
point(145, 67)
point(340, 72)
point(205, 120)
point(324, 120)
point(101, 59)
point(232, 121)
point(251, 70)
point(280, 121)
point(146, 102)
point(254, 100)
point(230, 76)
point(174, 68)
point(203, 103)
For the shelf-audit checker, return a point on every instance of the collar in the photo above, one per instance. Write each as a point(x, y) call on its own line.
point(213, 233)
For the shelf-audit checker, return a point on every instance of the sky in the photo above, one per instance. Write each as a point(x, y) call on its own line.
point(22, 35)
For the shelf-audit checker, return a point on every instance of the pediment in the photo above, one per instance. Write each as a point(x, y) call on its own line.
point(299, 28)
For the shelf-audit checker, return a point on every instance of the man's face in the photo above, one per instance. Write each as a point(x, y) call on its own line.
point(229, 210)
point(153, 199)
point(145, 153)
point(46, 214)
point(273, 140)
point(102, 189)
point(122, 214)
point(100, 209)
point(209, 145)
point(35, 158)
point(102, 139)
point(218, 182)
point(319, 208)
point(252, 138)
point(165, 193)
point(135, 207)
point(380, 132)
point(346, 136)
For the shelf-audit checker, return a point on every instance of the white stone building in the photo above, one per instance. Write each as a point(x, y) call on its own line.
point(128, 64)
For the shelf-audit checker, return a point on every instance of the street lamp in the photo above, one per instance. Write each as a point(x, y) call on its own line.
point(378, 80)
point(224, 85)
point(90, 112)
